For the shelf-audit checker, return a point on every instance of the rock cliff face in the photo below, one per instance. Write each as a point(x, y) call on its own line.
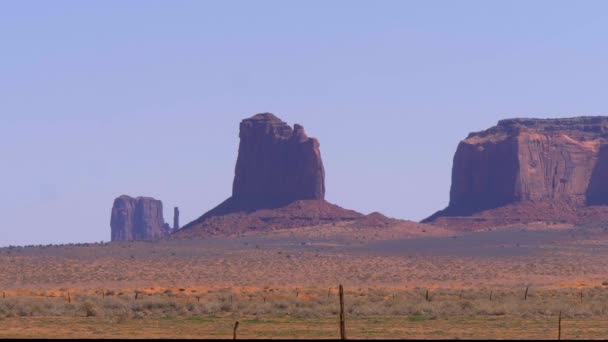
point(175, 218)
point(138, 218)
point(278, 168)
point(277, 164)
point(553, 163)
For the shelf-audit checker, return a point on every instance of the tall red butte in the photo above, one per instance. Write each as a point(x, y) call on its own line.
point(526, 170)
point(276, 164)
point(279, 182)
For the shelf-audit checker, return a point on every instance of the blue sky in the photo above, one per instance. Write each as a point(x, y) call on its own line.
point(103, 98)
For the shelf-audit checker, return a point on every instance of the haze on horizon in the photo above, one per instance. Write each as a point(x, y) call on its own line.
point(103, 98)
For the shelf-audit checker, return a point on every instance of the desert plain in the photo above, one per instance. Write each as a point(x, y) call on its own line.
point(407, 280)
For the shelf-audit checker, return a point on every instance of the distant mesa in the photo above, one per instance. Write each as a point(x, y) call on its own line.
point(139, 218)
point(525, 170)
point(279, 182)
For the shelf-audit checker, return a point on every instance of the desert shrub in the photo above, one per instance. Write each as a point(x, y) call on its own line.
point(445, 303)
point(281, 306)
point(35, 307)
point(90, 308)
point(306, 313)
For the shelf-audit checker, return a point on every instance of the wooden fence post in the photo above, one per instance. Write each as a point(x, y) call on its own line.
point(69, 298)
point(426, 296)
point(342, 325)
point(491, 295)
point(526, 294)
point(559, 326)
point(236, 325)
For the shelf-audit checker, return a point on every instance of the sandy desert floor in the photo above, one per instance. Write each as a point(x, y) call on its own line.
point(281, 328)
point(283, 284)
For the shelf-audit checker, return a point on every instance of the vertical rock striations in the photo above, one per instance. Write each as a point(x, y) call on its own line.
point(279, 182)
point(276, 164)
point(546, 168)
point(138, 218)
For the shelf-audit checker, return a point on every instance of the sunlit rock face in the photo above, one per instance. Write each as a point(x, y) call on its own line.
point(561, 162)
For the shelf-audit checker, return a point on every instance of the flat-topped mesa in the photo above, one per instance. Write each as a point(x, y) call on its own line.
point(582, 128)
point(138, 218)
point(276, 164)
point(563, 162)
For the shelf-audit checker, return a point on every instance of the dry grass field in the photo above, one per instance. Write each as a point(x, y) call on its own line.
point(284, 285)
point(304, 313)
point(285, 327)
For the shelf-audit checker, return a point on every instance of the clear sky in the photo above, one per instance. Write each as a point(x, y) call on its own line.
point(103, 98)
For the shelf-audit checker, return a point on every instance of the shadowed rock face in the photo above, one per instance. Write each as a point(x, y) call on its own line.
point(138, 218)
point(279, 182)
point(561, 162)
point(277, 164)
point(597, 192)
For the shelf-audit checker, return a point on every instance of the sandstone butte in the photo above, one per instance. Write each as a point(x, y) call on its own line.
point(138, 218)
point(279, 182)
point(526, 170)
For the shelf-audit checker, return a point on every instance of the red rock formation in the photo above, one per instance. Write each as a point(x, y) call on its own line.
point(375, 220)
point(175, 218)
point(277, 168)
point(138, 218)
point(301, 213)
point(277, 164)
point(536, 164)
